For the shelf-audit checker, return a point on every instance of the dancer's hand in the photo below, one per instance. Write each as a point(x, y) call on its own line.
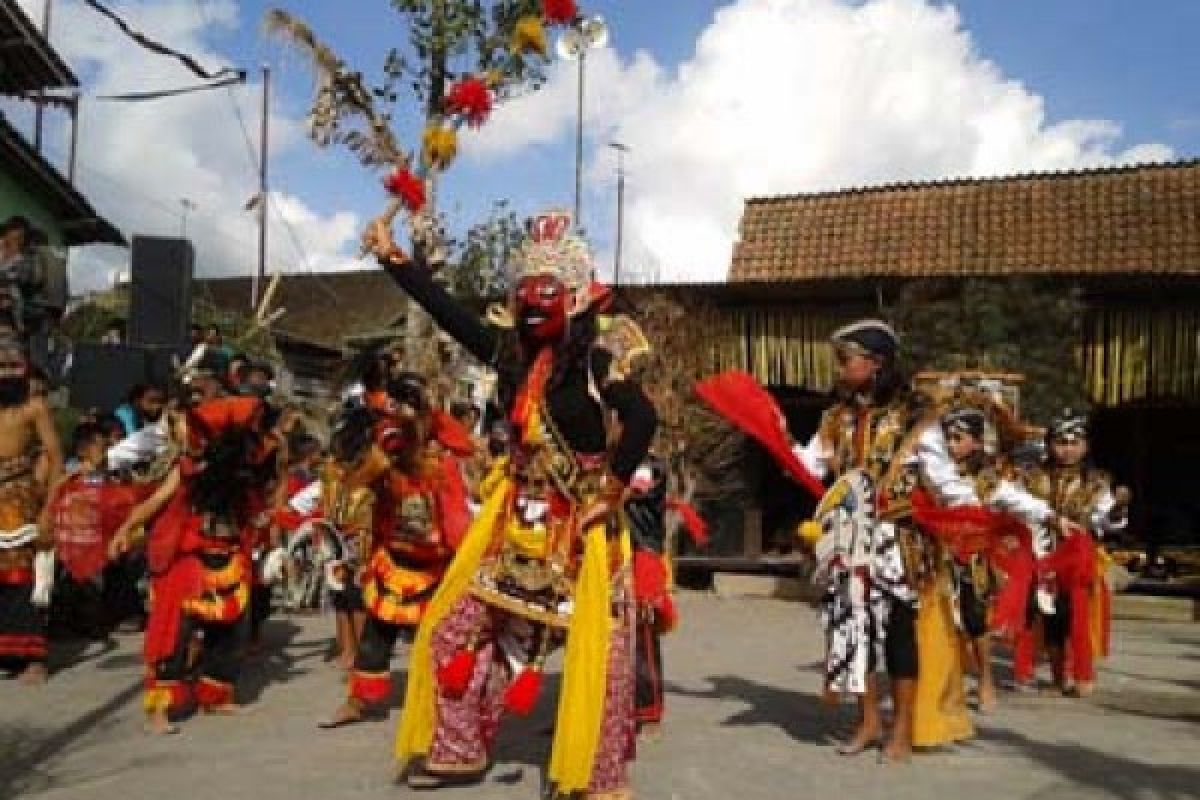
point(597, 513)
point(378, 241)
point(604, 507)
point(1120, 509)
point(118, 544)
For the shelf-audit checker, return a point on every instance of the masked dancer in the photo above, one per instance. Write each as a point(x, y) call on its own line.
point(547, 560)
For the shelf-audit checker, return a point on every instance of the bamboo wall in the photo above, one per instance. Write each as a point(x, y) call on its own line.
point(1141, 354)
point(1130, 354)
point(785, 346)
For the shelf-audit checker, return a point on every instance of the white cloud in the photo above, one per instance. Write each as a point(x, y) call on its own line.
point(784, 96)
point(137, 161)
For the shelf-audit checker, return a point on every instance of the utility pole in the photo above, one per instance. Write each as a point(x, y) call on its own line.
point(260, 275)
point(621, 149)
point(74, 151)
point(185, 206)
point(579, 144)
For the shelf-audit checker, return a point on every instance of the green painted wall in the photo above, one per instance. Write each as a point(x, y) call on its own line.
point(14, 199)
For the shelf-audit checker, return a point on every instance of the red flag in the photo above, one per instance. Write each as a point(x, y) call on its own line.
point(739, 398)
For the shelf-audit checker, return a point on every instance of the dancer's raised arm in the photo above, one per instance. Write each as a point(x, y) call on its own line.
point(413, 275)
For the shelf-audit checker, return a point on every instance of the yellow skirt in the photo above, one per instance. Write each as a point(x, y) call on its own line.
point(940, 712)
point(1100, 616)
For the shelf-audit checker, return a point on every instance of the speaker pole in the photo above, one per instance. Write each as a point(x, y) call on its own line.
point(260, 275)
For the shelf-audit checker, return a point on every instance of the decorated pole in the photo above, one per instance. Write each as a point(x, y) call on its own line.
point(471, 55)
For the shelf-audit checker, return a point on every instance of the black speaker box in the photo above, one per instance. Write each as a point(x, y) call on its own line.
point(102, 375)
point(161, 303)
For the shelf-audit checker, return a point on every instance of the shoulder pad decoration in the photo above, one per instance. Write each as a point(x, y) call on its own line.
point(624, 339)
point(498, 316)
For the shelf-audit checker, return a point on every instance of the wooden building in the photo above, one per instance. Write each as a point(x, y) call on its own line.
point(1128, 237)
point(325, 318)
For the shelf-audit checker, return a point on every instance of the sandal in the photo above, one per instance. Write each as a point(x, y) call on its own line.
point(423, 779)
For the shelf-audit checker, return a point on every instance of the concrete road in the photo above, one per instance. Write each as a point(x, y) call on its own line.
point(744, 722)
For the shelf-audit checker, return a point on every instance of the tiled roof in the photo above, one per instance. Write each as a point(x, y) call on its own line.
point(324, 309)
point(1140, 219)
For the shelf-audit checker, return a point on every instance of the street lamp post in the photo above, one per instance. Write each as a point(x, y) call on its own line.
point(185, 205)
point(587, 33)
point(621, 149)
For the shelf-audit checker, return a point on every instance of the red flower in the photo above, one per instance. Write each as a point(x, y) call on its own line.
point(408, 187)
point(559, 12)
point(472, 98)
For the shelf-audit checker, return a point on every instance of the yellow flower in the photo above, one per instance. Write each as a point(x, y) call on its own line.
point(529, 36)
point(809, 532)
point(439, 146)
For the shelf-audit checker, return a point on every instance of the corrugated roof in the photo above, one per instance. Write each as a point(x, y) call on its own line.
point(27, 61)
point(1142, 219)
point(323, 309)
point(79, 222)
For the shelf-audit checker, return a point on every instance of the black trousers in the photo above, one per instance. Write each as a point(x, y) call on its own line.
point(900, 642)
point(648, 664)
point(972, 609)
point(22, 628)
point(220, 657)
point(121, 594)
point(377, 644)
point(260, 609)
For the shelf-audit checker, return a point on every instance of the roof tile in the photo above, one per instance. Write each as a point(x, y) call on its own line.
point(1126, 219)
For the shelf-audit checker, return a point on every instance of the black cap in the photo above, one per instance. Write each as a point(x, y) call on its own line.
point(872, 335)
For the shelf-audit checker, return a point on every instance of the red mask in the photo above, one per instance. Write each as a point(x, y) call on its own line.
point(541, 308)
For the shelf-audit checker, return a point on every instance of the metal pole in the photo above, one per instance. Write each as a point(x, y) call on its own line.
point(71, 157)
point(260, 275)
point(40, 102)
point(620, 213)
point(579, 146)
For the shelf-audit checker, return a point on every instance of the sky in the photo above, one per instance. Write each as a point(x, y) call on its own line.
point(717, 101)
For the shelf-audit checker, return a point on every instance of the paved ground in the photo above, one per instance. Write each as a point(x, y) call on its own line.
point(744, 723)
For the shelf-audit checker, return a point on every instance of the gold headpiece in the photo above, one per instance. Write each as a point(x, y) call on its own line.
point(551, 248)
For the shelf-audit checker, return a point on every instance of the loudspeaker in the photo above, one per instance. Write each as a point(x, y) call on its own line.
point(162, 364)
point(161, 305)
point(102, 374)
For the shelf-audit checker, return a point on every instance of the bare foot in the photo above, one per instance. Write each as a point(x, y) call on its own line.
point(347, 714)
point(650, 731)
point(897, 751)
point(864, 738)
point(229, 709)
point(33, 675)
point(159, 724)
point(987, 699)
point(1081, 689)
